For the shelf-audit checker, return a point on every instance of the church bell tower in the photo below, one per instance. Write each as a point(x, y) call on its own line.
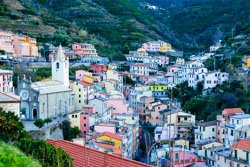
point(60, 67)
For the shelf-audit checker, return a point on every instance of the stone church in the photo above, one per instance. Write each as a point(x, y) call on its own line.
point(48, 99)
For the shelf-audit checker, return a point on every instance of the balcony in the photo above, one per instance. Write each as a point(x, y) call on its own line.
point(239, 160)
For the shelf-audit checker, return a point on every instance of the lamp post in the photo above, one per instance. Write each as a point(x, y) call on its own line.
point(148, 153)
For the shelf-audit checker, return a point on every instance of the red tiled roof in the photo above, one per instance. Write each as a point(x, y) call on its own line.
point(112, 135)
point(232, 110)
point(86, 83)
point(87, 157)
point(242, 144)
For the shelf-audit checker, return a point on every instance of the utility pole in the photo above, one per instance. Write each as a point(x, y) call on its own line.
point(214, 63)
point(169, 130)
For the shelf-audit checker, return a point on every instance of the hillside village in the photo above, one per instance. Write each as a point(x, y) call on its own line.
point(128, 111)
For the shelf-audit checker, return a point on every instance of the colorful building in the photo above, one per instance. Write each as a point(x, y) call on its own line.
point(246, 61)
point(25, 46)
point(6, 38)
point(83, 92)
point(84, 50)
point(158, 90)
point(157, 46)
point(156, 111)
point(165, 47)
point(83, 119)
point(6, 83)
point(98, 68)
point(18, 45)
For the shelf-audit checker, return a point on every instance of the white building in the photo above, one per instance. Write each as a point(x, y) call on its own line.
point(165, 133)
point(205, 131)
point(10, 103)
point(238, 128)
point(212, 79)
point(180, 61)
point(140, 69)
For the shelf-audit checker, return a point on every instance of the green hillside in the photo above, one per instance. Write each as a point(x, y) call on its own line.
point(13, 157)
point(201, 23)
point(115, 27)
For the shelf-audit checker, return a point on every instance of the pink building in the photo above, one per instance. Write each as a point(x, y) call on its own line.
point(81, 73)
point(181, 158)
point(154, 116)
point(18, 45)
point(84, 50)
point(85, 120)
point(6, 39)
point(142, 105)
point(68, 53)
point(118, 106)
point(105, 127)
point(6, 83)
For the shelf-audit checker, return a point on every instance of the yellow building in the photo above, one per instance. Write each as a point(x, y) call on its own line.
point(108, 137)
point(246, 61)
point(158, 88)
point(165, 47)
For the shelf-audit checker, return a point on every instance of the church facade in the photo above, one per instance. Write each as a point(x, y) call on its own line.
point(48, 99)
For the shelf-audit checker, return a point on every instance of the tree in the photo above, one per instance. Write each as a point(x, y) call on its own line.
point(65, 126)
point(83, 33)
point(68, 132)
point(74, 132)
point(195, 106)
point(39, 123)
point(48, 120)
point(11, 128)
point(229, 100)
point(128, 80)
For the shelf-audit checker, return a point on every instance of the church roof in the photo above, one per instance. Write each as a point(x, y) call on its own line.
point(46, 87)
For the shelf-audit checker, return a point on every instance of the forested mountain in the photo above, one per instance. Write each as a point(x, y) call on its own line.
point(203, 22)
point(117, 26)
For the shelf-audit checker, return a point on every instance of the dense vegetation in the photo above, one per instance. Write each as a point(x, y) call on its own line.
point(12, 157)
point(12, 131)
point(228, 95)
point(114, 28)
point(201, 23)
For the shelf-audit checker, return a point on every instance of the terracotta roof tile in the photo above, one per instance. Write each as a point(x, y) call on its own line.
point(242, 144)
point(86, 83)
point(87, 157)
point(232, 110)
